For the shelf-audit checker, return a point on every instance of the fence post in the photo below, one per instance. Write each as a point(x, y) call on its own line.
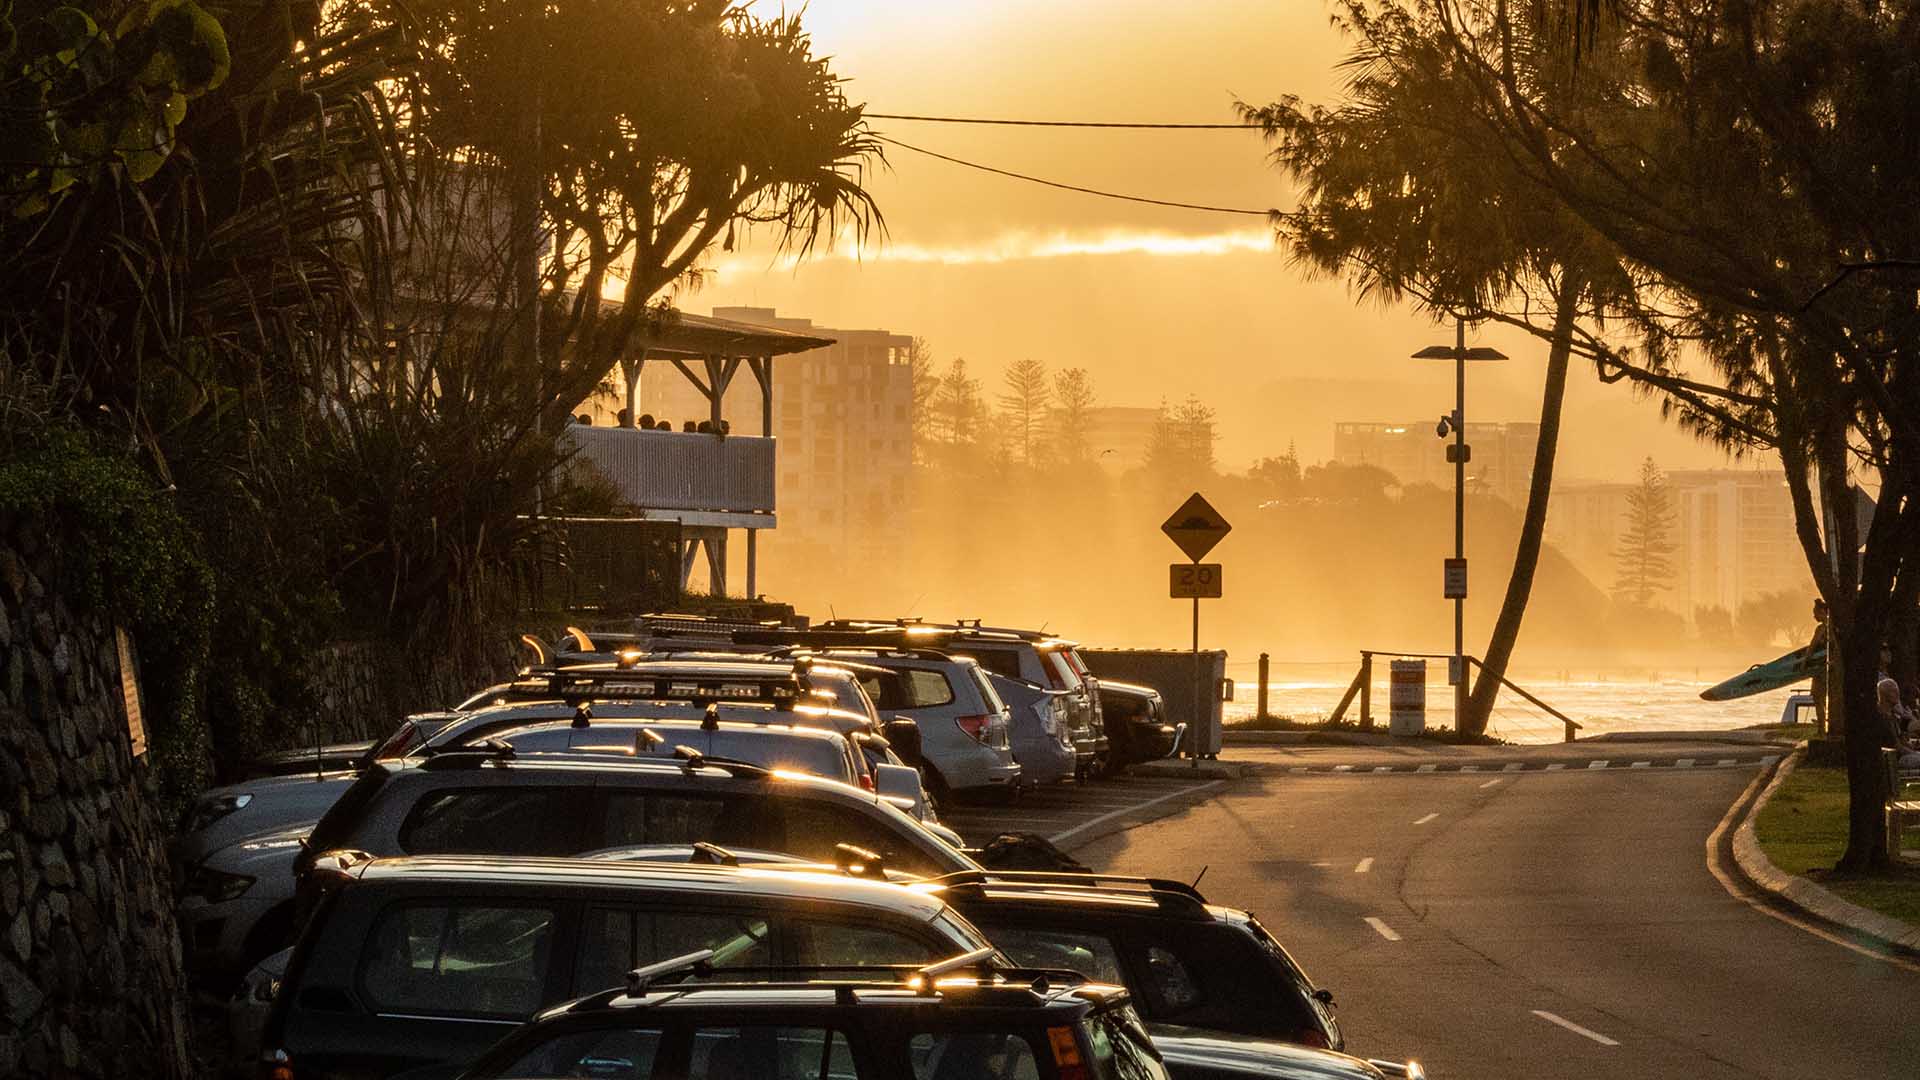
point(1366, 691)
point(1262, 713)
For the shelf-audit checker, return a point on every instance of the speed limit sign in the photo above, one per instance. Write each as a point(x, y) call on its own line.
point(1194, 581)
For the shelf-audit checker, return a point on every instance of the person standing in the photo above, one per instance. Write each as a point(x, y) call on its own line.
point(1820, 667)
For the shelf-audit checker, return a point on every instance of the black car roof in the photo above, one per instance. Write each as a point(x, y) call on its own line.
point(1111, 893)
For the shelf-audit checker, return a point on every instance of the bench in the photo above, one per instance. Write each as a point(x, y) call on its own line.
point(1902, 813)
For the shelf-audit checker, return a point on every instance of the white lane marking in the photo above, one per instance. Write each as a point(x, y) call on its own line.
point(1597, 764)
point(1298, 769)
point(1363, 865)
point(1684, 763)
point(1061, 837)
point(1323, 864)
point(1343, 768)
point(1724, 761)
point(1512, 766)
point(1469, 768)
point(1383, 768)
point(1556, 765)
point(1641, 765)
point(1426, 768)
point(1770, 759)
point(1573, 1027)
point(1384, 930)
point(1489, 784)
point(1426, 819)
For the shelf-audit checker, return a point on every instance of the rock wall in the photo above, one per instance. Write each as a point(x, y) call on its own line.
point(91, 983)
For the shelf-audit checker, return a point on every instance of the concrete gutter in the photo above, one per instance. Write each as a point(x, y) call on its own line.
point(1798, 892)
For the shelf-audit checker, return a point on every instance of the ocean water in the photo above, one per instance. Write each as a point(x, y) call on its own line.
point(1600, 701)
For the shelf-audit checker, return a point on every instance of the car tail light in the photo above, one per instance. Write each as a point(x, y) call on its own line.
point(274, 1065)
point(866, 781)
point(974, 726)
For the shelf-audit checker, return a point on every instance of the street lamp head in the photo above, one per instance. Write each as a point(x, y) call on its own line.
point(1448, 352)
point(1435, 352)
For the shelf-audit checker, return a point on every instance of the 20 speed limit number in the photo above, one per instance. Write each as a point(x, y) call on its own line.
point(1194, 581)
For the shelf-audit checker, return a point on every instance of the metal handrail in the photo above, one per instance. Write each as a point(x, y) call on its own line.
point(1362, 687)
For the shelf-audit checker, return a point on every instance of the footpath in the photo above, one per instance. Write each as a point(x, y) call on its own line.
point(1291, 752)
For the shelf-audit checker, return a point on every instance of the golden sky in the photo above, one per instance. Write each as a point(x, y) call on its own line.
point(1155, 302)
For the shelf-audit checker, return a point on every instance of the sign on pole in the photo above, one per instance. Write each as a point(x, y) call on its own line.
point(1196, 527)
point(1454, 585)
point(1195, 581)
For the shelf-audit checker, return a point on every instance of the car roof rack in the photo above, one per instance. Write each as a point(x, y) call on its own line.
point(855, 861)
point(1174, 897)
point(468, 755)
point(706, 853)
point(922, 979)
point(619, 682)
point(691, 759)
point(693, 962)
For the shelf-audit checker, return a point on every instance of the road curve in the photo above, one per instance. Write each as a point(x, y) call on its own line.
point(1536, 924)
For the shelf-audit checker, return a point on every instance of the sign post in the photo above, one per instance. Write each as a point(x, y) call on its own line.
point(1196, 527)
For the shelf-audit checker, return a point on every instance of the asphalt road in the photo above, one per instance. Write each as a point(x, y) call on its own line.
point(1068, 812)
point(1535, 923)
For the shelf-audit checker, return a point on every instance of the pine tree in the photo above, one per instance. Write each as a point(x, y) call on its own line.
point(1180, 448)
point(1644, 559)
point(958, 411)
point(1024, 400)
point(1073, 415)
point(926, 384)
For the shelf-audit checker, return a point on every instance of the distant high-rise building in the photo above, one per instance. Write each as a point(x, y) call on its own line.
point(1502, 454)
point(1732, 535)
point(1117, 435)
point(843, 418)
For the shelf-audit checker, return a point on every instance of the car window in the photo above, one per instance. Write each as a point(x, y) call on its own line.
point(973, 1055)
point(770, 1053)
point(457, 959)
point(1060, 671)
point(612, 1053)
point(824, 943)
point(916, 688)
point(490, 821)
point(814, 826)
point(614, 941)
point(987, 692)
point(1092, 955)
point(633, 818)
point(785, 750)
point(1169, 982)
point(999, 661)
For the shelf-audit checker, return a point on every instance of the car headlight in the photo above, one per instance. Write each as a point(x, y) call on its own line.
point(207, 811)
point(217, 886)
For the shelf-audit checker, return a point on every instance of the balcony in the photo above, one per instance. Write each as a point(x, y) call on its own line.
point(696, 479)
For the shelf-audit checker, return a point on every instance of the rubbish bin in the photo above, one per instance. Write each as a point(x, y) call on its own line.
point(1407, 698)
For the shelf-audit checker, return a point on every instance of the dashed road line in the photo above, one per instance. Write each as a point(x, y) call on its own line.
point(1512, 766)
point(1489, 784)
point(1684, 763)
point(1724, 761)
point(1363, 865)
point(1383, 768)
point(1469, 768)
point(1556, 765)
point(1381, 928)
point(1426, 768)
point(1363, 769)
point(1641, 765)
point(1598, 764)
point(1426, 819)
point(1553, 1018)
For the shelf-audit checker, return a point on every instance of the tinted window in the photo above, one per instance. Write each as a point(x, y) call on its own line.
point(1092, 955)
point(770, 1053)
point(493, 821)
point(999, 661)
point(1169, 981)
point(813, 827)
point(614, 1053)
point(635, 817)
point(1120, 1048)
point(973, 1055)
point(834, 944)
point(987, 692)
point(614, 941)
point(458, 959)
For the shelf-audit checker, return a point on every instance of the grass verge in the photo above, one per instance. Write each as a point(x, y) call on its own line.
point(1803, 829)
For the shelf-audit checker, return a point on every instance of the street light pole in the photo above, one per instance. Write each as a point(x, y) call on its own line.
point(1459, 671)
point(1459, 453)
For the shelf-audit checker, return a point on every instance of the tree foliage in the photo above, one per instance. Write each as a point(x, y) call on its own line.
point(1072, 415)
point(1180, 447)
point(1644, 555)
point(1026, 398)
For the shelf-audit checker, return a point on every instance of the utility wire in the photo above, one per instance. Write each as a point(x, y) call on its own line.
point(1061, 123)
point(1072, 187)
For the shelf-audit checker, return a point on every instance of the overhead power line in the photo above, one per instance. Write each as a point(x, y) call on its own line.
point(1072, 187)
point(1061, 123)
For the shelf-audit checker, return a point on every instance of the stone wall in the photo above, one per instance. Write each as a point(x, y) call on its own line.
point(91, 983)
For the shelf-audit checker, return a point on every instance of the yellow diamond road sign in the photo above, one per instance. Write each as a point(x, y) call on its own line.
point(1196, 527)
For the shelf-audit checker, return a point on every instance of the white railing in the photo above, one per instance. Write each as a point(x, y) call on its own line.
point(682, 470)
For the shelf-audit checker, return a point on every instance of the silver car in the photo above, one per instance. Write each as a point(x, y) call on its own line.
point(965, 728)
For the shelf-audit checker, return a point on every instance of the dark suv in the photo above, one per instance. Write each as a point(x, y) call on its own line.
point(485, 801)
point(914, 1026)
point(1188, 962)
point(428, 961)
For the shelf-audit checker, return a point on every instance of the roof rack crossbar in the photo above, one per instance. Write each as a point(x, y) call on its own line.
point(639, 977)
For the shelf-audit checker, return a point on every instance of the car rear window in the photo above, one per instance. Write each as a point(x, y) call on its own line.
point(987, 692)
point(1060, 672)
point(908, 688)
point(963, 1055)
point(999, 661)
point(487, 821)
point(458, 959)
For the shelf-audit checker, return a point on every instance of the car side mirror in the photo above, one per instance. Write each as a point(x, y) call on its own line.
point(1324, 996)
point(898, 784)
point(904, 735)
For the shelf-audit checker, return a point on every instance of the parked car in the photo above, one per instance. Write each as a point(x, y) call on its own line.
point(926, 1025)
point(235, 904)
point(1136, 723)
point(1040, 733)
point(488, 800)
point(417, 962)
point(1188, 962)
point(965, 729)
